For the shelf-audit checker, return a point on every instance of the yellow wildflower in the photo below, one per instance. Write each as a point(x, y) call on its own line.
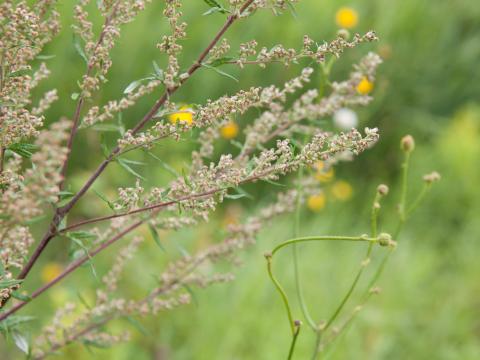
point(316, 202)
point(342, 190)
point(346, 17)
point(184, 114)
point(323, 174)
point(50, 271)
point(365, 86)
point(229, 130)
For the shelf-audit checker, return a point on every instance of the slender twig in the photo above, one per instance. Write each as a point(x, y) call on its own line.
point(403, 197)
point(298, 325)
point(106, 244)
point(72, 267)
point(324, 238)
point(282, 293)
point(60, 213)
point(296, 231)
point(365, 262)
point(81, 100)
point(2, 159)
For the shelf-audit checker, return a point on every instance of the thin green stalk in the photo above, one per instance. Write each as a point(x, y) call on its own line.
point(296, 233)
point(294, 341)
point(296, 241)
point(324, 238)
point(419, 199)
point(318, 342)
point(374, 216)
point(403, 195)
point(282, 293)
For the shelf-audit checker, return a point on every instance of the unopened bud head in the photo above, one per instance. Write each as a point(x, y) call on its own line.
point(382, 189)
point(344, 34)
point(432, 177)
point(384, 239)
point(407, 144)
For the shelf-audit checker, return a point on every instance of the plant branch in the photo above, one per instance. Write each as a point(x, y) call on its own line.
point(61, 212)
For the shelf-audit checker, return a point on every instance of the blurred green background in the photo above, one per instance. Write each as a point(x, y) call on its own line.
point(428, 86)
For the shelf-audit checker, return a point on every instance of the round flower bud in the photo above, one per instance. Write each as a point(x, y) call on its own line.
point(384, 239)
point(382, 189)
point(344, 34)
point(432, 177)
point(407, 144)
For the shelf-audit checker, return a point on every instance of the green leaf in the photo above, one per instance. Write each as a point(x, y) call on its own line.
point(34, 220)
point(214, 7)
point(104, 145)
point(137, 325)
point(221, 61)
point(158, 71)
point(124, 164)
point(167, 167)
point(45, 57)
point(192, 294)
point(179, 247)
point(83, 301)
point(8, 283)
point(64, 197)
point(292, 9)
point(2, 269)
point(80, 243)
point(79, 49)
point(240, 194)
point(106, 127)
point(81, 235)
point(218, 71)
point(156, 237)
point(21, 296)
point(18, 73)
point(12, 322)
point(21, 342)
point(25, 150)
point(132, 86)
point(75, 96)
point(109, 203)
point(186, 179)
point(274, 183)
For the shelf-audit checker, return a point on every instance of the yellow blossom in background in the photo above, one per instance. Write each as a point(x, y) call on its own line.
point(365, 86)
point(342, 190)
point(58, 296)
point(184, 114)
point(229, 130)
point(346, 17)
point(50, 271)
point(316, 202)
point(323, 174)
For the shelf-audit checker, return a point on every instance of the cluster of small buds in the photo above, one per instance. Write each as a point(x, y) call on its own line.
point(111, 278)
point(129, 197)
point(23, 197)
point(113, 107)
point(220, 50)
point(318, 53)
point(170, 44)
point(274, 5)
point(45, 102)
point(97, 52)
